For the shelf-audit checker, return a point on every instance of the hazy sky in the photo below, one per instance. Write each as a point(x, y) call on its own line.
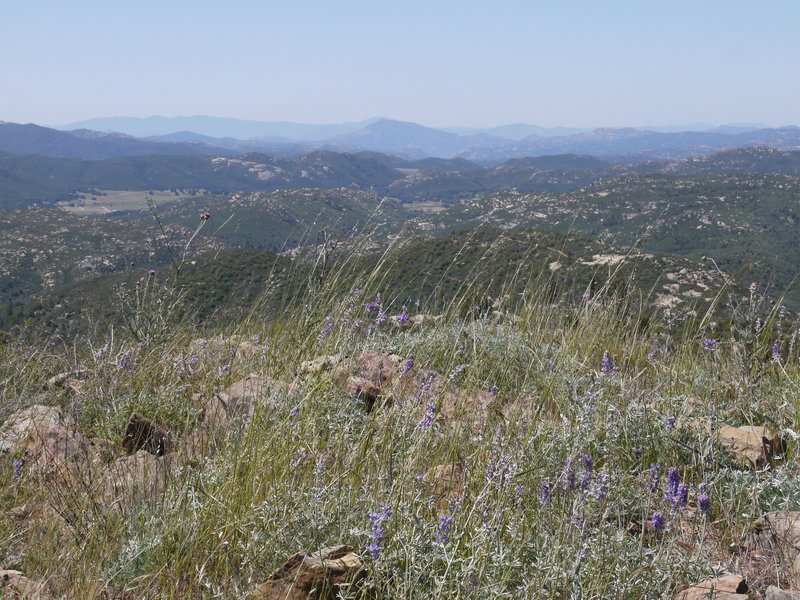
point(439, 63)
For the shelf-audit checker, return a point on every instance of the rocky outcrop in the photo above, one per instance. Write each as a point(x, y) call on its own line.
point(751, 446)
point(143, 434)
point(320, 575)
point(13, 584)
point(777, 535)
point(727, 587)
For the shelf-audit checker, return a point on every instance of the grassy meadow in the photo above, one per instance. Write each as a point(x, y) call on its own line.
point(533, 445)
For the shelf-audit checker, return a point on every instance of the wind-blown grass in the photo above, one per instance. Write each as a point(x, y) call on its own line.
point(558, 498)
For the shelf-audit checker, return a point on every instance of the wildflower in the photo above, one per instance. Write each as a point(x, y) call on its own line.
point(205, 216)
point(378, 521)
point(682, 496)
point(301, 456)
point(607, 366)
point(703, 499)
point(601, 490)
point(544, 496)
point(374, 304)
point(457, 371)
point(710, 344)
point(577, 520)
point(17, 469)
point(445, 527)
point(588, 464)
point(151, 272)
point(407, 366)
point(493, 390)
point(550, 366)
point(381, 318)
point(417, 303)
point(658, 521)
point(776, 352)
point(326, 331)
point(585, 295)
point(124, 361)
point(403, 318)
point(567, 476)
point(655, 475)
point(669, 422)
point(427, 419)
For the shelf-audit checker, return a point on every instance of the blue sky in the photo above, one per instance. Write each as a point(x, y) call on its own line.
point(572, 63)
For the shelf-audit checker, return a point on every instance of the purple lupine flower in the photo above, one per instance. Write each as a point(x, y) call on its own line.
point(443, 533)
point(588, 465)
point(673, 492)
point(457, 371)
point(124, 361)
point(374, 304)
point(550, 365)
point(682, 497)
point(381, 318)
point(300, 457)
point(577, 520)
point(658, 521)
point(608, 367)
point(378, 521)
point(417, 303)
point(427, 419)
point(655, 475)
point(776, 352)
point(17, 469)
point(407, 366)
point(326, 331)
point(601, 489)
point(151, 272)
point(544, 496)
point(205, 215)
point(669, 422)
point(710, 344)
point(704, 500)
point(403, 317)
point(567, 476)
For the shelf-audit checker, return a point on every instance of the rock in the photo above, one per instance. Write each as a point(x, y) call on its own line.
point(425, 320)
point(72, 381)
point(363, 389)
point(232, 407)
point(727, 587)
point(371, 375)
point(774, 593)
point(318, 575)
point(26, 430)
point(143, 434)
point(778, 535)
point(14, 584)
point(750, 445)
point(63, 449)
point(447, 483)
point(139, 476)
point(319, 364)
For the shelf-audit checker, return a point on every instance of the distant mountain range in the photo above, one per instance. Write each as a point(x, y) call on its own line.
point(408, 140)
point(32, 179)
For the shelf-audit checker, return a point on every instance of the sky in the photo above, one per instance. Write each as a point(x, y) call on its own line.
point(596, 63)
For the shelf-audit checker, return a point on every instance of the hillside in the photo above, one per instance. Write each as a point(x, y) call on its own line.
point(742, 221)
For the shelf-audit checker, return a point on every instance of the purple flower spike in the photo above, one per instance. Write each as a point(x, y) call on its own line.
point(658, 521)
point(404, 317)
